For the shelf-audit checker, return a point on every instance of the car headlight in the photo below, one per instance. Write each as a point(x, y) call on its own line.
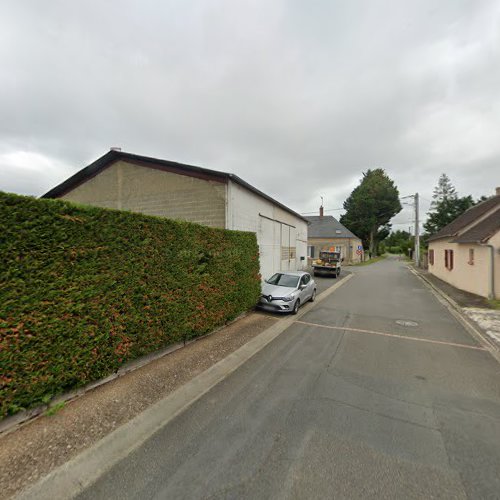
point(289, 298)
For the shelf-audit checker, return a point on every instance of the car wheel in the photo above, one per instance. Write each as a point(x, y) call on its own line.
point(313, 296)
point(296, 306)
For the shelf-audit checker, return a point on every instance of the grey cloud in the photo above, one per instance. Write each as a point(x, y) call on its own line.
point(297, 98)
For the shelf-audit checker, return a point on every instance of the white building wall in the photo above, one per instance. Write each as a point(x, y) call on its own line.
point(281, 236)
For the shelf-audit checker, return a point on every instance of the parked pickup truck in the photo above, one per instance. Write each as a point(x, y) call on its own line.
point(328, 262)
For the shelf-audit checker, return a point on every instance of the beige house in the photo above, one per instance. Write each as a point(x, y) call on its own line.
point(466, 252)
point(125, 181)
point(326, 232)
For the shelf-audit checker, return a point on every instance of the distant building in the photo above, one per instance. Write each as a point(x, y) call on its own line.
point(466, 252)
point(326, 232)
point(125, 181)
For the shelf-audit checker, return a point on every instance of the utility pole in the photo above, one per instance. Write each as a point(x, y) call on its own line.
point(416, 251)
point(417, 232)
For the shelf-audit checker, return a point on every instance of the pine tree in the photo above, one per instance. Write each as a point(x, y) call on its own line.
point(443, 191)
point(445, 206)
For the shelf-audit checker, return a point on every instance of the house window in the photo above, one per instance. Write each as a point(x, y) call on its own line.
point(310, 252)
point(431, 257)
point(448, 259)
point(471, 256)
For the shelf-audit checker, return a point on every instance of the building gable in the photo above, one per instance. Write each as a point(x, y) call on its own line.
point(327, 226)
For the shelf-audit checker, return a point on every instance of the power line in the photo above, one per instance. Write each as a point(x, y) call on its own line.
point(326, 210)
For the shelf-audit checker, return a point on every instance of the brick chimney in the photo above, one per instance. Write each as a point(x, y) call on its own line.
point(321, 211)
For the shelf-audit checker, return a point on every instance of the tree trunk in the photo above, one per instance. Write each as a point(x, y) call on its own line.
point(371, 248)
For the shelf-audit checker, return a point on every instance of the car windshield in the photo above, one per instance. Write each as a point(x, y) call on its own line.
point(284, 280)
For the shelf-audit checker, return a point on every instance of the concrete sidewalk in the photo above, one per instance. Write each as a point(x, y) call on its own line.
point(476, 308)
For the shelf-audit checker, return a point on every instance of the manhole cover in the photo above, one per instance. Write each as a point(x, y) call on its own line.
point(404, 322)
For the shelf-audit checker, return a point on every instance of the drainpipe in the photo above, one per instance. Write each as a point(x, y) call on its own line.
point(491, 293)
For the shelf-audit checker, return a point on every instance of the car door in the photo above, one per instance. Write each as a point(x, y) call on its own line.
point(306, 292)
point(310, 286)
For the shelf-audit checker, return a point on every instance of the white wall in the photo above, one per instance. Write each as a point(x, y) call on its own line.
point(273, 236)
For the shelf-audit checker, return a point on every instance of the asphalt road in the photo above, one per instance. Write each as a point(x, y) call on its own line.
point(324, 281)
point(346, 403)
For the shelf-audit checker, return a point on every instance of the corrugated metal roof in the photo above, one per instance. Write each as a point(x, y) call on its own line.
point(467, 218)
point(327, 226)
point(190, 170)
point(482, 231)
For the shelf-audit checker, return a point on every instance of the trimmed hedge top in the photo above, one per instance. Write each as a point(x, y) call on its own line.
point(84, 289)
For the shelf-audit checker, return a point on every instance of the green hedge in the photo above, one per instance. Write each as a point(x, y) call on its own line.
point(84, 289)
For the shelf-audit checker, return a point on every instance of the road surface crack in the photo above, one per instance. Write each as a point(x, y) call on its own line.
point(367, 410)
point(380, 393)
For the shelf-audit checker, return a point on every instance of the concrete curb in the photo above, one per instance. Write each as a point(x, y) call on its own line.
point(73, 477)
point(456, 311)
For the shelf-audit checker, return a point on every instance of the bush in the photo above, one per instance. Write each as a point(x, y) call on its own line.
point(84, 289)
point(394, 250)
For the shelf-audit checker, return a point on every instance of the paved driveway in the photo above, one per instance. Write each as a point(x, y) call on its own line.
point(377, 392)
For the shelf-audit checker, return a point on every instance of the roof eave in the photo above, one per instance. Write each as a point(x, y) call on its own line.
point(112, 156)
point(82, 175)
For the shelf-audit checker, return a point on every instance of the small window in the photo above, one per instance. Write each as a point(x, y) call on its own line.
point(310, 252)
point(471, 256)
point(431, 257)
point(448, 259)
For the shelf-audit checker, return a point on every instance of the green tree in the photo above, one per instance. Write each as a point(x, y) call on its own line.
point(398, 242)
point(446, 206)
point(370, 207)
point(443, 191)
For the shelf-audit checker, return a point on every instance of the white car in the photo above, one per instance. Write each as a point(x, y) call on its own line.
point(287, 291)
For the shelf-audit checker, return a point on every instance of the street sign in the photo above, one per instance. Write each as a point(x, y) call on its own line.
point(360, 247)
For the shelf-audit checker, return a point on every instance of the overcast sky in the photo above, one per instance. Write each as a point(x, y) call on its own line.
point(298, 98)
